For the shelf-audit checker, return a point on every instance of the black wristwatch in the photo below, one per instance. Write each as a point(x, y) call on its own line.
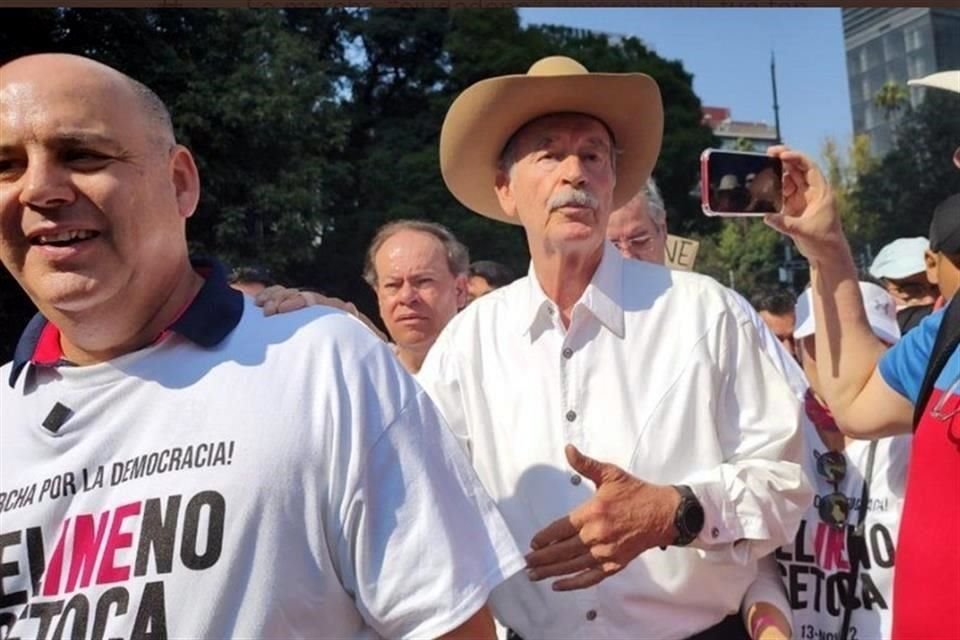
point(689, 517)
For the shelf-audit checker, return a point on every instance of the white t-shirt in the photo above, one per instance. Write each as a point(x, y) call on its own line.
point(660, 373)
point(291, 482)
point(814, 564)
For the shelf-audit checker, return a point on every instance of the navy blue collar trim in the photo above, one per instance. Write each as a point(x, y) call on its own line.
point(210, 317)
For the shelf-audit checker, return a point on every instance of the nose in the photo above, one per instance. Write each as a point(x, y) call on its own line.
point(573, 173)
point(46, 184)
point(408, 293)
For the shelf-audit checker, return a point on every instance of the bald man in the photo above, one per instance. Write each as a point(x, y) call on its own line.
point(162, 439)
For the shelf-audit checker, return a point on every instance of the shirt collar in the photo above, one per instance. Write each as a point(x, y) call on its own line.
point(209, 318)
point(603, 297)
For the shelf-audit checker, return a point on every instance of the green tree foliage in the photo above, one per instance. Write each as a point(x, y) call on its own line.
point(844, 175)
point(901, 191)
point(745, 254)
point(891, 98)
point(313, 127)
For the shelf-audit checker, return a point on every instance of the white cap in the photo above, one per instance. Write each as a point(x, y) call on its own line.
point(881, 313)
point(901, 258)
point(949, 80)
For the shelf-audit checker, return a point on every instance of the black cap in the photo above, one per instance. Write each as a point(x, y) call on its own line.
point(945, 226)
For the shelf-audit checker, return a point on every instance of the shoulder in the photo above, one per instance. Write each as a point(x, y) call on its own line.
point(319, 328)
point(646, 285)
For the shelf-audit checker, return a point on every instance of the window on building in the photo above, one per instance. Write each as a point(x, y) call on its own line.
point(918, 64)
point(869, 116)
point(916, 36)
point(893, 46)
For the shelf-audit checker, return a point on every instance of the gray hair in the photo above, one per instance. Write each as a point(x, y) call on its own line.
point(458, 257)
point(508, 157)
point(656, 209)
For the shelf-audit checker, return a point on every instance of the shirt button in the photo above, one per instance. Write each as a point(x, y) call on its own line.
point(591, 615)
point(571, 416)
point(575, 479)
point(568, 353)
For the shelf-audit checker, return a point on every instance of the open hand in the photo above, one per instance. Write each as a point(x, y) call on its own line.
point(623, 519)
point(278, 299)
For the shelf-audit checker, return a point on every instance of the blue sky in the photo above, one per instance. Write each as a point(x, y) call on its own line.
point(728, 52)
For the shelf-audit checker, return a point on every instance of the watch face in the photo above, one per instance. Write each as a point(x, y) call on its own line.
point(693, 517)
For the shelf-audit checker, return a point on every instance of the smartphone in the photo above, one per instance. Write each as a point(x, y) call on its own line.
point(740, 183)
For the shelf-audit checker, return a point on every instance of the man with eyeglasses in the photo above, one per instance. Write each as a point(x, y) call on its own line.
point(848, 535)
point(902, 268)
point(638, 229)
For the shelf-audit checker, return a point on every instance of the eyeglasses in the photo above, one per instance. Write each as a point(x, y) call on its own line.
point(939, 411)
point(834, 507)
point(636, 242)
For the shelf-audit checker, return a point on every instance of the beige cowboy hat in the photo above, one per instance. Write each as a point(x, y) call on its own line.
point(482, 119)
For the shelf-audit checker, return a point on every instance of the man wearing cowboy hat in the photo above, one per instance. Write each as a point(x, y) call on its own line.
point(647, 382)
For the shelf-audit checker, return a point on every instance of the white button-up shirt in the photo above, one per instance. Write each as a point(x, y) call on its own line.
point(660, 373)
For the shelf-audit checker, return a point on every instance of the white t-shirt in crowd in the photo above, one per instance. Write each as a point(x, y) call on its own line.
point(291, 482)
point(815, 564)
point(660, 373)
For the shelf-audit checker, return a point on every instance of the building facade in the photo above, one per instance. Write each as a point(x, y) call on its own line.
point(894, 45)
point(738, 135)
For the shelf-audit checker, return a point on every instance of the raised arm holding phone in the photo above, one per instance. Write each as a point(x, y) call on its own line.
point(872, 392)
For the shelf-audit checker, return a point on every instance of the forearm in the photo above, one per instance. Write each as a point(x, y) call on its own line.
point(751, 507)
point(847, 349)
point(767, 622)
point(766, 611)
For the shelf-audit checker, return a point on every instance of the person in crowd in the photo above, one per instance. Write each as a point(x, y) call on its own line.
point(418, 270)
point(250, 280)
point(777, 309)
point(638, 229)
point(874, 392)
point(646, 382)
point(486, 276)
point(729, 194)
point(763, 192)
point(849, 533)
point(158, 428)
point(902, 268)
point(943, 256)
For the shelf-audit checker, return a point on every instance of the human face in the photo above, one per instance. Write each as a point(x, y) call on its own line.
point(93, 198)
point(476, 287)
point(635, 234)
point(556, 156)
point(416, 292)
point(912, 290)
point(782, 327)
point(946, 270)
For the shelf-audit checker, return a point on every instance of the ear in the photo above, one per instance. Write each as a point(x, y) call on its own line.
point(460, 283)
point(505, 194)
point(930, 259)
point(186, 180)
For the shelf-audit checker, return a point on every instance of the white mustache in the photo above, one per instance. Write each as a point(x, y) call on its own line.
point(579, 197)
